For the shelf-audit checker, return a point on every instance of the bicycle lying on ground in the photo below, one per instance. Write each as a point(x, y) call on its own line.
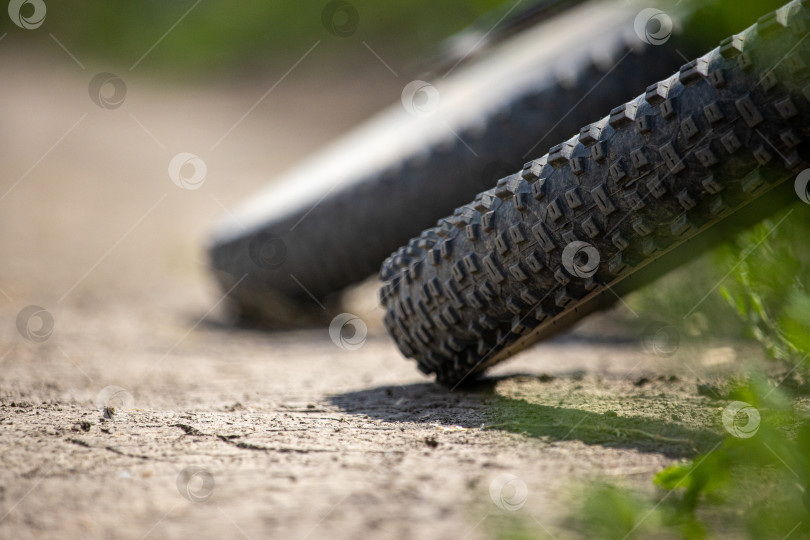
point(694, 159)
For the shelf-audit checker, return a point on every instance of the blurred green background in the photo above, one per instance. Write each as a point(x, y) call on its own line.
point(216, 37)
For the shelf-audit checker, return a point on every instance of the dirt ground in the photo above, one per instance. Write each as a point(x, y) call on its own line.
point(220, 433)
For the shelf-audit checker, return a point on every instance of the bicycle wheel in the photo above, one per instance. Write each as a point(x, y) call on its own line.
point(695, 158)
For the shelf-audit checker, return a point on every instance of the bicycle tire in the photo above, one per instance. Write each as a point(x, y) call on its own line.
point(326, 236)
point(663, 177)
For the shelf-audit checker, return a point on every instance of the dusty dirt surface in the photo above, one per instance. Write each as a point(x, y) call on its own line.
point(212, 432)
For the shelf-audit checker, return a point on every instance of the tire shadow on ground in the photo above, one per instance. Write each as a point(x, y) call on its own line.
point(484, 407)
